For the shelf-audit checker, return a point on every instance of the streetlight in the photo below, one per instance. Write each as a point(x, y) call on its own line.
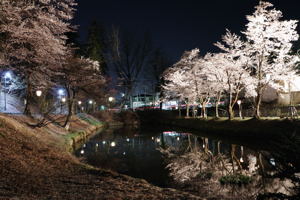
point(61, 92)
point(7, 75)
point(239, 102)
point(63, 100)
point(38, 93)
point(79, 102)
point(110, 99)
point(113, 144)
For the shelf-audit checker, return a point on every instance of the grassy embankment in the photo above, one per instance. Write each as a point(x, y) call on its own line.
point(248, 127)
point(34, 164)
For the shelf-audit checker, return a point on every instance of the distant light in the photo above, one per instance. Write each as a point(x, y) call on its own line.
point(239, 102)
point(84, 145)
point(61, 92)
point(63, 99)
point(203, 146)
point(104, 142)
point(110, 99)
point(178, 138)
point(241, 160)
point(157, 140)
point(122, 94)
point(272, 161)
point(82, 108)
point(97, 145)
point(152, 138)
point(7, 75)
point(112, 144)
point(124, 153)
point(82, 151)
point(128, 140)
point(90, 102)
point(79, 102)
point(38, 93)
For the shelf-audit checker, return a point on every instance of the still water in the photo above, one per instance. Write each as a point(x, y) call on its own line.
point(195, 158)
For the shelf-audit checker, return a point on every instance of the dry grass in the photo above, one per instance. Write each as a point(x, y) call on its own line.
point(31, 167)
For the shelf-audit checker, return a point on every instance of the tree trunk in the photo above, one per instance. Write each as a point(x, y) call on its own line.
point(194, 113)
point(204, 114)
point(230, 112)
point(70, 108)
point(257, 105)
point(179, 110)
point(217, 105)
point(187, 110)
point(28, 99)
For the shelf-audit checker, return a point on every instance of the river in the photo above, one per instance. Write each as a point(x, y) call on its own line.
point(206, 166)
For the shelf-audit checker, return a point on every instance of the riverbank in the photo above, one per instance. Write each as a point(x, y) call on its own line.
point(246, 128)
point(35, 165)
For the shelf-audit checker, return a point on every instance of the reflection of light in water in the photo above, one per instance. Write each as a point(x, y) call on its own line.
point(113, 144)
point(272, 161)
point(128, 140)
point(104, 142)
point(158, 140)
point(82, 151)
point(241, 160)
point(178, 138)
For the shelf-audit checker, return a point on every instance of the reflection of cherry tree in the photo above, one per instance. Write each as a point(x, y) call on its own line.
point(217, 174)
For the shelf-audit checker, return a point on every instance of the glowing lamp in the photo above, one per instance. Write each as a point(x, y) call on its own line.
point(38, 93)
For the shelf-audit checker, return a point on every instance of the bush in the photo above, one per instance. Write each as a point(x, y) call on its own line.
point(105, 116)
point(128, 117)
point(235, 179)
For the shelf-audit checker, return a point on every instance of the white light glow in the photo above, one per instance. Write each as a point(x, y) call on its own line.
point(61, 92)
point(38, 93)
point(110, 99)
point(113, 144)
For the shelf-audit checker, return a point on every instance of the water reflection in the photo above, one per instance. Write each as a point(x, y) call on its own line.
point(200, 165)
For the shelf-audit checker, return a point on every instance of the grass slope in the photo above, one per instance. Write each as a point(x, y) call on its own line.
point(32, 167)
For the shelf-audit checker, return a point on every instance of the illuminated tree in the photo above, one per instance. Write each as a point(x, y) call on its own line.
point(269, 44)
point(229, 70)
point(34, 39)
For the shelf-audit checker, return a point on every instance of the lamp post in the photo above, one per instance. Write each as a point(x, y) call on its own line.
point(63, 100)
point(79, 105)
point(7, 75)
point(110, 99)
point(239, 102)
point(90, 108)
point(61, 93)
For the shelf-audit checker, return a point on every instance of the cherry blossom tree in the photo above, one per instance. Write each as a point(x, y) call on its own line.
point(80, 77)
point(178, 79)
point(269, 43)
point(34, 39)
point(229, 70)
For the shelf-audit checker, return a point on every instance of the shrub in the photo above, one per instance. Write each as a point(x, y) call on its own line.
point(235, 179)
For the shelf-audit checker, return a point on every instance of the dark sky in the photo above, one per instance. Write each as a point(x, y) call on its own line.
point(176, 25)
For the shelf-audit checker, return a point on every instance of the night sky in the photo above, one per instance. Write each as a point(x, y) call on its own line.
point(176, 25)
